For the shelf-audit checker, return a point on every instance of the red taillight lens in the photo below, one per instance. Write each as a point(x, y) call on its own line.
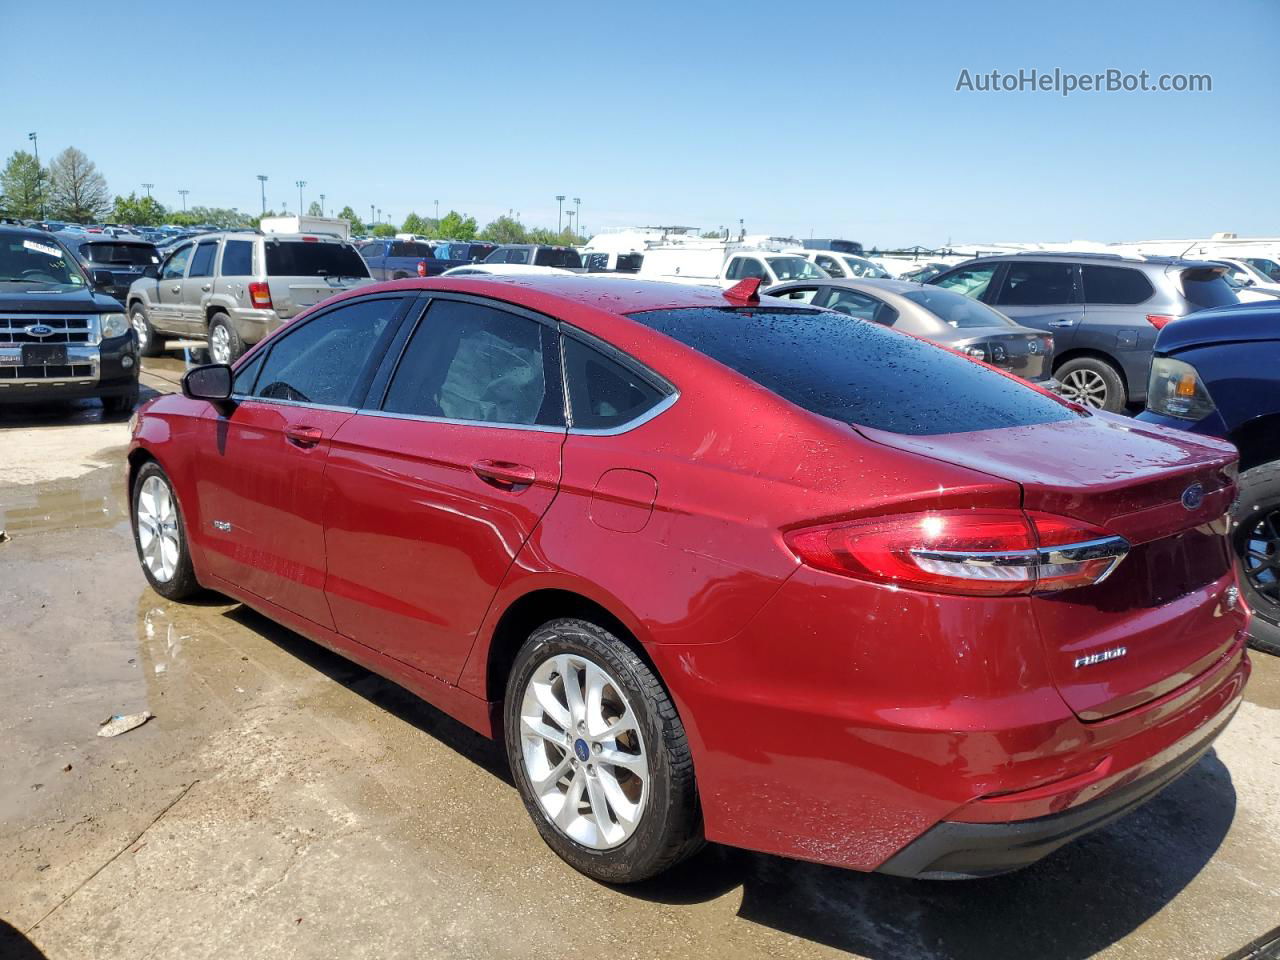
point(260, 295)
point(993, 553)
point(1158, 320)
point(422, 268)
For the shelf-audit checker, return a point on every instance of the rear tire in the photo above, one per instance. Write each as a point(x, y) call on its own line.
point(150, 343)
point(1256, 539)
point(160, 535)
point(225, 345)
point(1092, 382)
point(600, 817)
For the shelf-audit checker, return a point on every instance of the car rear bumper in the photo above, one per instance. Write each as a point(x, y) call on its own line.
point(253, 325)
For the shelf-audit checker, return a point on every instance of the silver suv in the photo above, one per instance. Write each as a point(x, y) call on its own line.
point(234, 288)
point(1103, 311)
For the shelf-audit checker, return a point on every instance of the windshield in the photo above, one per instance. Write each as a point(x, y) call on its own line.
point(859, 267)
point(795, 268)
point(956, 310)
point(39, 265)
point(301, 258)
point(129, 254)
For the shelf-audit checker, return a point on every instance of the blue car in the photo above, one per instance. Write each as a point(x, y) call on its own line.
point(1217, 372)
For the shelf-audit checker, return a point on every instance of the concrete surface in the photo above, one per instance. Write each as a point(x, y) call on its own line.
point(285, 803)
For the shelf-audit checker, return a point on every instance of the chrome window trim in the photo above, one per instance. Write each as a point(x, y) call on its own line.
point(656, 410)
point(243, 398)
point(624, 359)
point(388, 415)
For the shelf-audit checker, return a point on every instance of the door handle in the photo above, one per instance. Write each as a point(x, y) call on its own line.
point(303, 436)
point(1061, 323)
point(175, 289)
point(504, 474)
point(205, 287)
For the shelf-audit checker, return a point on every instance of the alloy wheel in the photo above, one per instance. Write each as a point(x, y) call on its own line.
point(583, 752)
point(1262, 556)
point(1084, 387)
point(157, 522)
point(220, 345)
point(139, 325)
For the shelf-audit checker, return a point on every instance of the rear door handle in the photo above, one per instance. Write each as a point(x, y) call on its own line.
point(1061, 323)
point(304, 436)
point(175, 289)
point(205, 287)
point(504, 474)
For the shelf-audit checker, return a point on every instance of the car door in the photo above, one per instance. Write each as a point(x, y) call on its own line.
point(197, 287)
point(166, 312)
point(434, 489)
point(1043, 295)
point(261, 476)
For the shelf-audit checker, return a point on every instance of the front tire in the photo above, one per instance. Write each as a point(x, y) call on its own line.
point(1092, 382)
point(599, 754)
point(120, 405)
point(150, 343)
point(225, 345)
point(160, 535)
point(1256, 538)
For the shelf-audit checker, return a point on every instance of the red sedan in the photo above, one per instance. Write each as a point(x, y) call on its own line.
point(718, 567)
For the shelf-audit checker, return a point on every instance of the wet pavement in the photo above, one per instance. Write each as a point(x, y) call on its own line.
point(287, 803)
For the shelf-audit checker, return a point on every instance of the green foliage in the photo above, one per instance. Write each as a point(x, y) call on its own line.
point(315, 210)
point(357, 225)
point(713, 235)
point(20, 183)
point(138, 211)
point(220, 217)
point(416, 224)
point(384, 230)
point(504, 230)
point(454, 226)
point(77, 191)
point(565, 238)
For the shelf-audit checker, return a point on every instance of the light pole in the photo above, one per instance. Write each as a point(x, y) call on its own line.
point(183, 194)
point(301, 184)
point(559, 215)
point(35, 145)
point(262, 182)
point(322, 204)
point(570, 215)
point(148, 187)
point(437, 214)
point(577, 212)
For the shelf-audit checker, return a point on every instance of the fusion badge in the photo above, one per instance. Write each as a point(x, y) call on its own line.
point(1115, 653)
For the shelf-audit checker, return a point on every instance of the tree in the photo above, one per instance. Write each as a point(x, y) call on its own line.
point(384, 230)
point(455, 226)
point(20, 183)
point(77, 191)
point(315, 210)
point(221, 217)
point(416, 224)
point(504, 230)
point(714, 235)
point(138, 211)
point(357, 225)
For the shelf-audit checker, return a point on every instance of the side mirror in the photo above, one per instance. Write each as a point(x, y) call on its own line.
point(102, 278)
point(211, 382)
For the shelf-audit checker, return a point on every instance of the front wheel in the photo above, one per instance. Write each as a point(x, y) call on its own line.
point(1092, 382)
point(1256, 536)
point(160, 535)
point(599, 754)
point(120, 405)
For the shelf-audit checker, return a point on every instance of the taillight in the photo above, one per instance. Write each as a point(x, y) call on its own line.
point(994, 553)
point(260, 295)
point(1158, 320)
point(422, 268)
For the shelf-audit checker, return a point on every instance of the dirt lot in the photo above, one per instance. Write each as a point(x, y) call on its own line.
point(286, 803)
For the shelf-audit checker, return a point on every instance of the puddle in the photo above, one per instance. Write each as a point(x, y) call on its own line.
point(95, 499)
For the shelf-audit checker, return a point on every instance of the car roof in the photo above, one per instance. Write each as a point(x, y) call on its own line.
point(855, 283)
point(27, 233)
point(1103, 258)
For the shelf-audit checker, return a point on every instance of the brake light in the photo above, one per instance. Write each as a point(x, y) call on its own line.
point(1158, 320)
point(422, 268)
point(310, 239)
point(993, 553)
point(260, 295)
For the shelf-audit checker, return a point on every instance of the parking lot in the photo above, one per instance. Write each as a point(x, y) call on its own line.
point(284, 802)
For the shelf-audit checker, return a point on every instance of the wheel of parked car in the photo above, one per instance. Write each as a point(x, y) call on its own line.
point(1257, 543)
point(116, 406)
point(1093, 383)
point(150, 343)
point(599, 754)
point(225, 345)
point(160, 536)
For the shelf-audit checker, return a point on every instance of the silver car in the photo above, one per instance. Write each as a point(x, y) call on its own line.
point(234, 288)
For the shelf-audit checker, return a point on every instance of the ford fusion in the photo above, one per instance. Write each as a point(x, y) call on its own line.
point(718, 567)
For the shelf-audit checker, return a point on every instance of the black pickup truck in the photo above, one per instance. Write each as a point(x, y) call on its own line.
point(396, 259)
point(59, 339)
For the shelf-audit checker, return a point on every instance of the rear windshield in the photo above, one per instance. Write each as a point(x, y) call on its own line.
point(298, 258)
point(1207, 288)
point(553, 257)
point(130, 254)
point(957, 311)
point(855, 371)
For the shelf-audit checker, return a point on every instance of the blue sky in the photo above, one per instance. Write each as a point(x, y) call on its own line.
point(835, 118)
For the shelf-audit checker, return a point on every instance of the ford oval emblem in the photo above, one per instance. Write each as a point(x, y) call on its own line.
point(39, 330)
point(1193, 496)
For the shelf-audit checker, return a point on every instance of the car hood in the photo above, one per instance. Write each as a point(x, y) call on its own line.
point(1242, 323)
point(17, 300)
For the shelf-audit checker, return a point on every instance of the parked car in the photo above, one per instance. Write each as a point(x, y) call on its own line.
point(60, 340)
point(536, 254)
point(925, 272)
point(233, 288)
point(119, 262)
point(942, 316)
point(841, 246)
point(463, 251)
point(501, 269)
point(1103, 310)
point(844, 264)
point(924, 619)
point(1242, 275)
point(397, 259)
point(1267, 267)
point(1218, 373)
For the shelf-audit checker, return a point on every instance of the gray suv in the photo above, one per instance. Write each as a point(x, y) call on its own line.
point(234, 288)
point(1103, 311)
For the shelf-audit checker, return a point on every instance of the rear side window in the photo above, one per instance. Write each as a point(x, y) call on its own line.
point(1037, 285)
point(468, 361)
point(1115, 285)
point(298, 258)
point(202, 262)
point(604, 393)
point(552, 257)
point(1206, 288)
point(852, 303)
point(237, 258)
point(321, 361)
point(518, 255)
point(856, 372)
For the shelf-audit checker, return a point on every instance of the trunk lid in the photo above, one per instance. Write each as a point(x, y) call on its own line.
point(1161, 617)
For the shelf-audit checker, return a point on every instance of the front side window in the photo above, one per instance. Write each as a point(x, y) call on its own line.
point(1115, 285)
point(969, 281)
point(795, 268)
point(1037, 284)
point(175, 268)
point(1268, 268)
point(603, 393)
point(470, 361)
point(202, 262)
point(322, 361)
point(558, 257)
point(518, 255)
